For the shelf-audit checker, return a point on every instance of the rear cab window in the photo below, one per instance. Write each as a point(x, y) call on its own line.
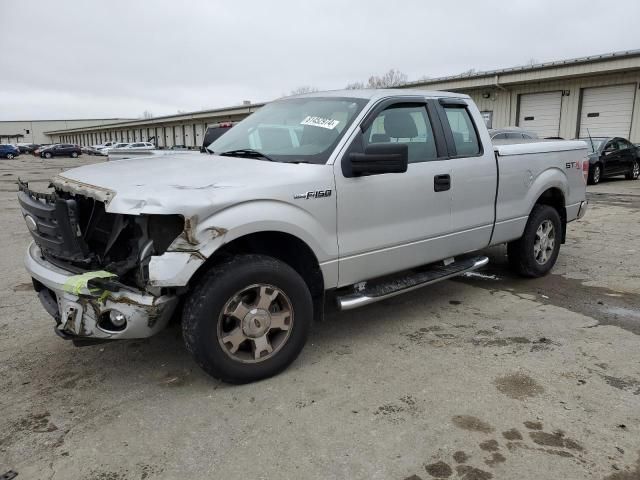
point(465, 136)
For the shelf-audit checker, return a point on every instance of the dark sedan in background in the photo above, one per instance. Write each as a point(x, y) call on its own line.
point(27, 147)
point(610, 157)
point(61, 150)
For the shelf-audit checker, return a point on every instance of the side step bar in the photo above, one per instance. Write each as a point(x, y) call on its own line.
point(401, 284)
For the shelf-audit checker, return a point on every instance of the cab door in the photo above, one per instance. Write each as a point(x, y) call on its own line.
point(393, 221)
point(612, 157)
point(474, 175)
point(628, 155)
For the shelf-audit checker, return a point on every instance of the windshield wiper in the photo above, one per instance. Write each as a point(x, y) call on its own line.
point(246, 152)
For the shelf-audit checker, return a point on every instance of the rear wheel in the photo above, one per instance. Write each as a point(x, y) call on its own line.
point(634, 172)
point(47, 155)
point(247, 319)
point(595, 174)
point(536, 252)
point(74, 154)
point(10, 156)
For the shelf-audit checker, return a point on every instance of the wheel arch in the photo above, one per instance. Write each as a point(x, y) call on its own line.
point(283, 246)
point(555, 198)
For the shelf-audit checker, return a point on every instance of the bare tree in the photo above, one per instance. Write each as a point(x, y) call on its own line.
point(355, 86)
point(147, 114)
point(532, 61)
point(392, 78)
point(466, 73)
point(303, 89)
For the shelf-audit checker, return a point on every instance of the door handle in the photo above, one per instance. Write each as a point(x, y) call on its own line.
point(441, 183)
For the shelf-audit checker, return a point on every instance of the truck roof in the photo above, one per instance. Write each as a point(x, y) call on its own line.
point(376, 93)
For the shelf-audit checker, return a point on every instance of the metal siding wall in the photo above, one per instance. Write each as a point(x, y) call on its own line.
point(504, 103)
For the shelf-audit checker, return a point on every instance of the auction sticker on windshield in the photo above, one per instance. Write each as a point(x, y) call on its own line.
point(327, 123)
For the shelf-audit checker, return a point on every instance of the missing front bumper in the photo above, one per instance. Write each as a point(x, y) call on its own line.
point(82, 313)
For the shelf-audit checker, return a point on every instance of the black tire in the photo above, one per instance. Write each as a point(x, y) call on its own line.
point(521, 252)
point(204, 307)
point(634, 172)
point(74, 154)
point(47, 155)
point(595, 176)
point(10, 156)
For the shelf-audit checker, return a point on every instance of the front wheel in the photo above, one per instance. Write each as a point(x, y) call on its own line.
point(74, 154)
point(10, 156)
point(535, 253)
point(247, 319)
point(634, 172)
point(595, 174)
point(47, 155)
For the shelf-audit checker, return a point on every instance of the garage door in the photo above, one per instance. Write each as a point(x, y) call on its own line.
point(607, 111)
point(540, 113)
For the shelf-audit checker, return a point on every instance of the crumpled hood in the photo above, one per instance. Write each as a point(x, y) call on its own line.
point(190, 184)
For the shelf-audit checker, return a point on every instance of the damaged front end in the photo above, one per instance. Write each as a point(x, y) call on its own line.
point(91, 267)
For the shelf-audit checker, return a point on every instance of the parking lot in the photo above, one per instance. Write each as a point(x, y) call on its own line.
point(486, 376)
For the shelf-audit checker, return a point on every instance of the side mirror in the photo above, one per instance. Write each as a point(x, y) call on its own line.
point(380, 158)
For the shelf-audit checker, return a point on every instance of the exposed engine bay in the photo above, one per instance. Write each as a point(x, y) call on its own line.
point(75, 232)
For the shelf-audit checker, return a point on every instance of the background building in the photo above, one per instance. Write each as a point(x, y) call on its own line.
point(595, 95)
point(33, 131)
point(568, 99)
point(182, 129)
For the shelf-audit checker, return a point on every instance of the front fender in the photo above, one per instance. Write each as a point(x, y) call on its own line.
point(315, 225)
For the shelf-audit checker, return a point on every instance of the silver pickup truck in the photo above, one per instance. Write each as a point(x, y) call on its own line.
point(364, 194)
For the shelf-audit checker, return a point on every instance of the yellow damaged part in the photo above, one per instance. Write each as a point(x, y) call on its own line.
point(76, 283)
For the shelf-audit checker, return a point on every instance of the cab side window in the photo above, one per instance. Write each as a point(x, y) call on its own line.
point(404, 124)
point(465, 137)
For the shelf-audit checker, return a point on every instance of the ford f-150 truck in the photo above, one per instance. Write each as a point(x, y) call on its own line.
point(364, 194)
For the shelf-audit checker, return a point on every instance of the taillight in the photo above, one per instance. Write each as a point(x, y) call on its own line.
point(585, 169)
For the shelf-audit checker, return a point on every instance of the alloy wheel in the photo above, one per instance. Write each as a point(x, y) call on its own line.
point(545, 242)
point(255, 323)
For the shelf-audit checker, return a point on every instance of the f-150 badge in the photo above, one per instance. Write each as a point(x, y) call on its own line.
point(313, 194)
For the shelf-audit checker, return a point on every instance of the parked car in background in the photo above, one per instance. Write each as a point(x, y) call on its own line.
point(40, 148)
point(511, 133)
point(92, 151)
point(179, 147)
point(214, 132)
point(27, 147)
point(103, 145)
point(141, 146)
point(61, 150)
point(8, 151)
point(106, 150)
point(610, 157)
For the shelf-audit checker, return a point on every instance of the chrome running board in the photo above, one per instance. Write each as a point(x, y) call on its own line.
point(401, 284)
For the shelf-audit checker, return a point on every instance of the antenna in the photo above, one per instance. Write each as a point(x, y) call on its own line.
point(591, 140)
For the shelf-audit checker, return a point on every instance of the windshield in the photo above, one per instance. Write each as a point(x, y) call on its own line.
point(293, 130)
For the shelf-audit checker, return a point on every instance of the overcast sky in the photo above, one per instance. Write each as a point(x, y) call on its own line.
point(118, 58)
